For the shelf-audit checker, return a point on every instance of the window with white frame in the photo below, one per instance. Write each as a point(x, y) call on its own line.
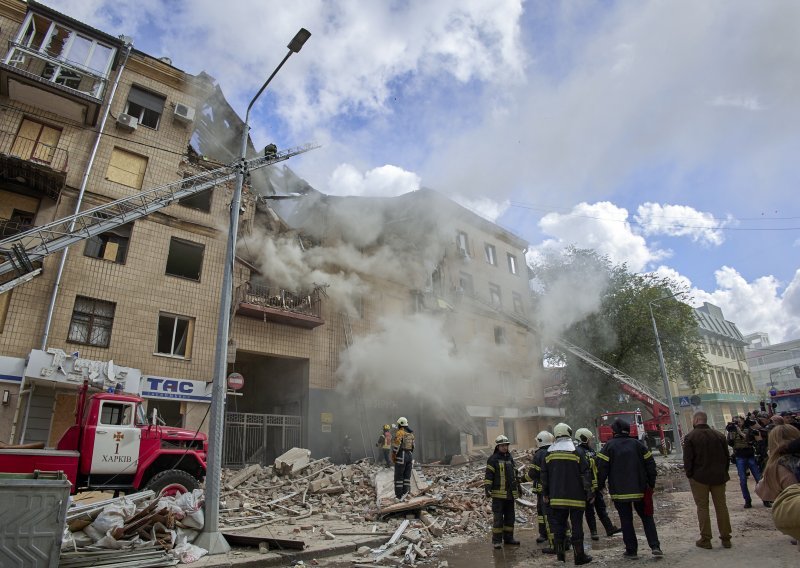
point(495, 296)
point(512, 263)
point(91, 322)
point(491, 254)
point(175, 335)
point(462, 243)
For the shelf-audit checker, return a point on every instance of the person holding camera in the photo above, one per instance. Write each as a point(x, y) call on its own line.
point(741, 439)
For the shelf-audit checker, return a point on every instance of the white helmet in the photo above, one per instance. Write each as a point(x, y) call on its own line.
point(584, 435)
point(544, 438)
point(562, 431)
point(501, 439)
point(402, 421)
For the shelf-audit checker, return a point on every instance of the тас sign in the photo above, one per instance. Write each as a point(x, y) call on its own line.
point(176, 389)
point(235, 381)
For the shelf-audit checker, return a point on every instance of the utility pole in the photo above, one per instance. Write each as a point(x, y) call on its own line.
point(665, 379)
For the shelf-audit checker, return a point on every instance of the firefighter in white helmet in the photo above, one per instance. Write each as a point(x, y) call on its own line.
point(534, 475)
point(501, 484)
point(584, 437)
point(566, 487)
point(403, 457)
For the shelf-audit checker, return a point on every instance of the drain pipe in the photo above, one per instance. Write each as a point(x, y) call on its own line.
point(128, 45)
point(82, 190)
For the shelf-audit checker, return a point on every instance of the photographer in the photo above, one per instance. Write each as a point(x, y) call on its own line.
point(742, 439)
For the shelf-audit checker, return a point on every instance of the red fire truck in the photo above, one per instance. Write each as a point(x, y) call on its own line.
point(785, 400)
point(113, 446)
point(651, 432)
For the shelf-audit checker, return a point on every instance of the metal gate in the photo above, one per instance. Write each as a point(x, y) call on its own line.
point(258, 438)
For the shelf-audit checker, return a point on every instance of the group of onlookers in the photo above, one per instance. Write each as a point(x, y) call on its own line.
point(766, 447)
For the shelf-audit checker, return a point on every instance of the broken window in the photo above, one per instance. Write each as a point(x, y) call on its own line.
point(480, 427)
point(491, 254)
point(91, 322)
point(518, 307)
point(462, 243)
point(512, 263)
point(144, 106)
point(111, 245)
point(36, 141)
point(510, 430)
point(494, 295)
point(185, 259)
point(465, 283)
point(200, 201)
point(175, 335)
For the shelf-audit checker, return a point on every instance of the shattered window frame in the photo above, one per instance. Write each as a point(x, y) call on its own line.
point(178, 332)
point(91, 322)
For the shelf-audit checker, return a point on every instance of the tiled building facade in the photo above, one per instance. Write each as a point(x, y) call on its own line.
point(139, 303)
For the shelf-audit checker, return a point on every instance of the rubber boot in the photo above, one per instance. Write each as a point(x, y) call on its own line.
point(594, 535)
point(560, 551)
point(509, 539)
point(580, 555)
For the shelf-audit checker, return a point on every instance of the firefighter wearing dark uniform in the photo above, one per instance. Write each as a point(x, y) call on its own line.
point(630, 470)
point(584, 437)
point(501, 484)
point(403, 457)
point(534, 475)
point(566, 487)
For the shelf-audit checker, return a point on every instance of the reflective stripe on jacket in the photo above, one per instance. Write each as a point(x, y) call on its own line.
point(566, 478)
point(501, 476)
point(628, 466)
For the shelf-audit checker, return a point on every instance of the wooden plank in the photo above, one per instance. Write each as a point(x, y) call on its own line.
point(251, 540)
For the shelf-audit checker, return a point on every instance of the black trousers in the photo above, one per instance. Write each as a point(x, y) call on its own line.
point(558, 523)
point(402, 477)
point(502, 519)
point(625, 510)
point(541, 517)
point(599, 507)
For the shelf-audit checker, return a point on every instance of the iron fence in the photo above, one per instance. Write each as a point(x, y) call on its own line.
point(258, 438)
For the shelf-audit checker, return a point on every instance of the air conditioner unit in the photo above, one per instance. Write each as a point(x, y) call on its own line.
point(127, 122)
point(184, 113)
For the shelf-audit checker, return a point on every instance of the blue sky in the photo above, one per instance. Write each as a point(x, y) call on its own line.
point(664, 134)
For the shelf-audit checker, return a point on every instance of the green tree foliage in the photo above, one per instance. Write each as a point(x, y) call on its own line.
point(615, 327)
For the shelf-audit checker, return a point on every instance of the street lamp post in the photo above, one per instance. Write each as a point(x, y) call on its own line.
point(665, 379)
point(210, 538)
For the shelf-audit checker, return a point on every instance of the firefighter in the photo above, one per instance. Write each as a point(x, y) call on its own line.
point(566, 488)
point(402, 457)
point(501, 484)
point(585, 437)
point(631, 472)
point(385, 444)
point(534, 475)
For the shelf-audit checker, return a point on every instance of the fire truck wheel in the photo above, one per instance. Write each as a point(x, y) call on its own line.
point(172, 482)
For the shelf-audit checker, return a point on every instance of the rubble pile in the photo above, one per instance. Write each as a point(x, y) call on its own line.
point(137, 526)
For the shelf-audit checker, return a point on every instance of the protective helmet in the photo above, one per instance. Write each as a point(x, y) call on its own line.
point(544, 438)
point(501, 439)
point(387, 427)
point(402, 421)
point(620, 426)
point(584, 435)
point(562, 431)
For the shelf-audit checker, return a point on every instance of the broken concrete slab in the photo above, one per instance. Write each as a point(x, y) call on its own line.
point(292, 461)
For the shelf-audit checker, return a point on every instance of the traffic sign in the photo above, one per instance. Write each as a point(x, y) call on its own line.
point(685, 401)
point(235, 381)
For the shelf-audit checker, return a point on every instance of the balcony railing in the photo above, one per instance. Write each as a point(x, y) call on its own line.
point(279, 305)
point(62, 72)
point(26, 149)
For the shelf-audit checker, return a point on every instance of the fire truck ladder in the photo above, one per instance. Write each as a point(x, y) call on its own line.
point(629, 384)
point(633, 386)
point(21, 251)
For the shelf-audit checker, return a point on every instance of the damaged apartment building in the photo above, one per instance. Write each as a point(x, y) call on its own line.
point(348, 312)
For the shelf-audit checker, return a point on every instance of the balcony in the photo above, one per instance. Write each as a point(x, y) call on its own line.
point(280, 306)
point(53, 84)
point(31, 164)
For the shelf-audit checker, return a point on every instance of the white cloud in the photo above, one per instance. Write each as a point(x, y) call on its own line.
point(743, 102)
point(681, 221)
point(763, 304)
point(603, 227)
point(385, 181)
point(486, 207)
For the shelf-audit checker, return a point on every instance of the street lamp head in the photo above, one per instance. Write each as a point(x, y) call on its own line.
point(298, 40)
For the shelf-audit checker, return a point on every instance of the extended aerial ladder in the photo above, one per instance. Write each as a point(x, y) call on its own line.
point(19, 252)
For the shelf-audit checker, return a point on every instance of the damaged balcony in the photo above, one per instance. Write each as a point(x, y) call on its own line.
point(33, 165)
point(280, 306)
